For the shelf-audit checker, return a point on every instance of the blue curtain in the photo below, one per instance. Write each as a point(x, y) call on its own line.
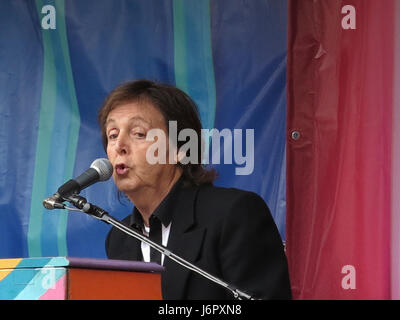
point(229, 56)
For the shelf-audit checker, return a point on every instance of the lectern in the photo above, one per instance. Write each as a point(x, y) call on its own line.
point(68, 278)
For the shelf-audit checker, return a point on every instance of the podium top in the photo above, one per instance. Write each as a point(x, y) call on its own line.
point(74, 262)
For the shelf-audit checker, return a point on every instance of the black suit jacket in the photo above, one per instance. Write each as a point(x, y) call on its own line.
point(229, 233)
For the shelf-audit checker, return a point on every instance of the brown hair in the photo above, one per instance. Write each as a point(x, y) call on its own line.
point(174, 105)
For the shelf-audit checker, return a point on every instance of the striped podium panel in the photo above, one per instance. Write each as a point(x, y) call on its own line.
point(67, 278)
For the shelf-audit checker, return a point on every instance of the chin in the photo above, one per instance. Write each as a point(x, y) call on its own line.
point(127, 187)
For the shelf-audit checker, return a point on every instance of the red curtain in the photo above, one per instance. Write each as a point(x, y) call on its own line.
point(339, 149)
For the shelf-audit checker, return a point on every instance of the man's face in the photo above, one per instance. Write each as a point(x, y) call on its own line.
point(126, 128)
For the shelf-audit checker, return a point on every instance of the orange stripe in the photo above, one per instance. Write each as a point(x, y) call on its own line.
point(7, 266)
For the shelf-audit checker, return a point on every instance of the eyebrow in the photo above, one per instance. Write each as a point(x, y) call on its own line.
point(133, 119)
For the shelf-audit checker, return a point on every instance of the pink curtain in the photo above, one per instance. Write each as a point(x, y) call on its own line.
point(339, 149)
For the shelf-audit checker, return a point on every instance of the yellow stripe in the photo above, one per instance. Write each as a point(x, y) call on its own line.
point(9, 265)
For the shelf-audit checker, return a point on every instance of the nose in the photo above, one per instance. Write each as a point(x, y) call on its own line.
point(122, 146)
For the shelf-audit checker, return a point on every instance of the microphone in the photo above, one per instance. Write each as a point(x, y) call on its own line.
point(100, 170)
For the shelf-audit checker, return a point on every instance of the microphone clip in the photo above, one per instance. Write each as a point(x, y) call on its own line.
point(83, 205)
point(54, 202)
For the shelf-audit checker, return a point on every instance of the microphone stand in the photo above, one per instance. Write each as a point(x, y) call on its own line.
point(81, 203)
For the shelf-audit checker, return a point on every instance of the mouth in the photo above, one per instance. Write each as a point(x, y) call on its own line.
point(121, 169)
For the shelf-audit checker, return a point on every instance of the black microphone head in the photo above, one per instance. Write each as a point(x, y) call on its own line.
point(103, 167)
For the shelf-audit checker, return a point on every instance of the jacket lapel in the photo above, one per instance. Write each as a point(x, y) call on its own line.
point(185, 240)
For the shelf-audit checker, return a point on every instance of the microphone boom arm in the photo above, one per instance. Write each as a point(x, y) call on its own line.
point(100, 214)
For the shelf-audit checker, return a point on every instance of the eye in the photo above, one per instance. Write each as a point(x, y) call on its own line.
point(139, 133)
point(112, 134)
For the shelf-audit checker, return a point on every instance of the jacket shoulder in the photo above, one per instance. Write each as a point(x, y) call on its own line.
point(217, 200)
point(227, 195)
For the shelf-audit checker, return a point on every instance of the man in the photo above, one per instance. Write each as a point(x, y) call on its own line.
point(227, 232)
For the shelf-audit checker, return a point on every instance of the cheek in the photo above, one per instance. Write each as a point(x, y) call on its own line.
point(110, 153)
point(140, 157)
point(145, 167)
